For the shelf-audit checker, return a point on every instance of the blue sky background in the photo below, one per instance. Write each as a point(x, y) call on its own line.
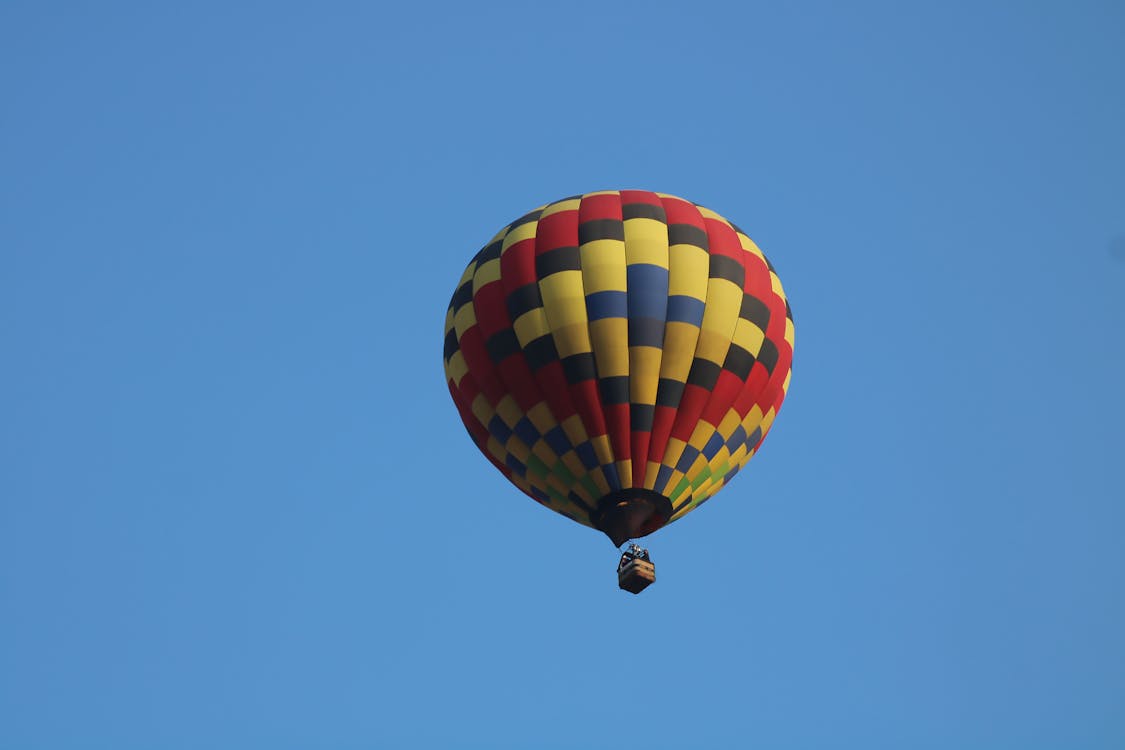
point(237, 507)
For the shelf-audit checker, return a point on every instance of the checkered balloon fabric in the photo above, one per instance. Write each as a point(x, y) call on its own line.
point(619, 341)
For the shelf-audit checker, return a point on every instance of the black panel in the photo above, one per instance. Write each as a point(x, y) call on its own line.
point(704, 373)
point(643, 211)
point(640, 419)
point(724, 267)
point(646, 332)
point(768, 356)
point(756, 311)
point(541, 352)
point(559, 259)
point(526, 218)
point(490, 252)
point(687, 234)
point(523, 299)
point(502, 345)
point(462, 296)
point(579, 367)
point(614, 390)
point(601, 229)
point(451, 345)
point(669, 392)
point(739, 361)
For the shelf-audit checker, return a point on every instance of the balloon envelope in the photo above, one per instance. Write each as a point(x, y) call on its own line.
point(619, 356)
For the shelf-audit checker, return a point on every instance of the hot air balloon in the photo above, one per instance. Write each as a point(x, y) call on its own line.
point(619, 356)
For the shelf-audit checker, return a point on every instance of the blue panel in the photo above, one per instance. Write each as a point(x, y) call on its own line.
point(587, 455)
point(526, 432)
point(685, 309)
point(662, 477)
point(754, 439)
point(648, 290)
point(713, 446)
point(499, 430)
point(686, 460)
point(611, 304)
point(516, 466)
point(558, 440)
point(611, 476)
point(737, 438)
point(646, 332)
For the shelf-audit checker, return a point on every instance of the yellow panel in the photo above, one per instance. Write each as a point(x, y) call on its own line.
point(701, 434)
point(603, 266)
point(456, 368)
point(509, 411)
point(679, 350)
point(767, 420)
point(724, 300)
point(486, 274)
point(467, 275)
point(610, 337)
point(789, 332)
point(481, 409)
point(712, 347)
point(675, 447)
point(519, 234)
point(749, 336)
point(599, 481)
point(493, 446)
point(696, 467)
point(776, 284)
point(560, 206)
point(675, 498)
point(646, 241)
point(625, 473)
point(544, 453)
point(602, 449)
point(517, 448)
point(531, 325)
point(464, 319)
point(729, 424)
point(574, 429)
point(644, 374)
point(572, 339)
point(752, 419)
point(563, 298)
point(541, 417)
point(573, 464)
point(751, 247)
point(688, 268)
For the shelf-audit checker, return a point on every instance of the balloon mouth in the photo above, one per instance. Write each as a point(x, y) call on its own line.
point(630, 514)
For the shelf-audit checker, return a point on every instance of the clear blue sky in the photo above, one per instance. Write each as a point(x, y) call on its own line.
point(237, 507)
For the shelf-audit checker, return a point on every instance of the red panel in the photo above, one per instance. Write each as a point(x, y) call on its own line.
point(727, 390)
point(606, 206)
point(555, 231)
point(480, 366)
point(513, 271)
point(687, 416)
point(640, 196)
